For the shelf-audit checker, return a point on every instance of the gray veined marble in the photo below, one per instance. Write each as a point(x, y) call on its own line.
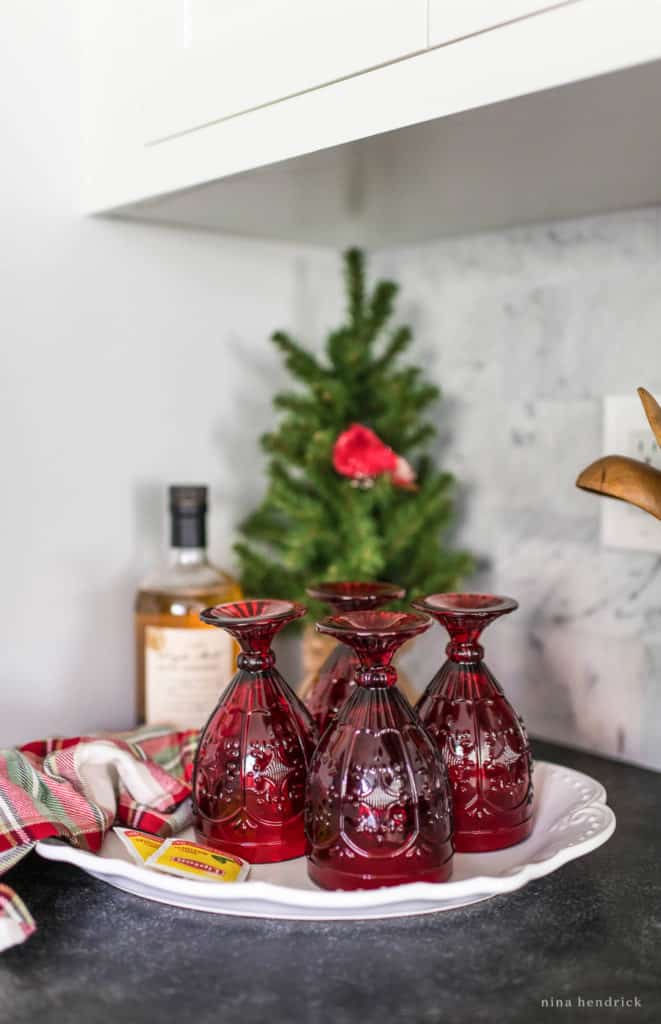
point(526, 331)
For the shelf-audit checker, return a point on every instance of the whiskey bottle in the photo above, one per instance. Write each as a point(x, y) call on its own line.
point(182, 664)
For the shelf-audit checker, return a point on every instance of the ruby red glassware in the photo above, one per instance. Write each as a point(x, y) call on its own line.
point(481, 737)
point(378, 809)
point(254, 752)
point(337, 676)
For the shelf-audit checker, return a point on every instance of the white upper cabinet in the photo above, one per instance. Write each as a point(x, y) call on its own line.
point(453, 19)
point(374, 121)
point(207, 60)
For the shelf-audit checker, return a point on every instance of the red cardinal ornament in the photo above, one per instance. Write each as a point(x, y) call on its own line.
point(360, 454)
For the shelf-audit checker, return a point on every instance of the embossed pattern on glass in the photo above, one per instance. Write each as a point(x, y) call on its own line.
point(481, 737)
point(337, 675)
point(378, 806)
point(254, 752)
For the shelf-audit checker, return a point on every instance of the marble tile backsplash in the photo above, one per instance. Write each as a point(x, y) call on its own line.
point(526, 331)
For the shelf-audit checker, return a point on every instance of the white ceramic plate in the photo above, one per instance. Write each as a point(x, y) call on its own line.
point(571, 819)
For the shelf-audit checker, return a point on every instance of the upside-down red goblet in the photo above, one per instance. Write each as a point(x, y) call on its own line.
point(481, 737)
point(337, 676)
point(254, 752)
point(378, 809)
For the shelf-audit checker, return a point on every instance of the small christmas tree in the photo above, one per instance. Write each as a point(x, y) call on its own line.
point(351, 495)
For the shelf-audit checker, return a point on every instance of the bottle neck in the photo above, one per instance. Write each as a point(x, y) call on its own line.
point(188, 528)
point(188, 557)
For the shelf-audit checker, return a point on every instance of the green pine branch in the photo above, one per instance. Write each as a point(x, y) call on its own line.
point(315, 524)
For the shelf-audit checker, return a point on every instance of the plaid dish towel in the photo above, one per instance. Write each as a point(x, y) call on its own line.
point(79, 788)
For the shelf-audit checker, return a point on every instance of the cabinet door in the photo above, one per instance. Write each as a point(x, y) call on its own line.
point(452, 19)
point(206, 60)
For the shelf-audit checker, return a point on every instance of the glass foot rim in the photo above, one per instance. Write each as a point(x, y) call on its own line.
point(244, 614)
point(478, 605)
point(354, 593)
point(382, 624)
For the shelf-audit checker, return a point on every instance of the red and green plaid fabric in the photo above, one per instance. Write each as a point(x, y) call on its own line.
point(77, 789)
point(16, 922)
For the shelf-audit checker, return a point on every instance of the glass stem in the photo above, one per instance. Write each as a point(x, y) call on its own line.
point(374, 676)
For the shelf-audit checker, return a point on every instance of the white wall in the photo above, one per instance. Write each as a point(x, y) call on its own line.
point(131, 356)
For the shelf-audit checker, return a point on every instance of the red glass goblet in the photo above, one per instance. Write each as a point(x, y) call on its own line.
point(378, 808)
point(337, 676)
point(254, 752)
point(481, 737)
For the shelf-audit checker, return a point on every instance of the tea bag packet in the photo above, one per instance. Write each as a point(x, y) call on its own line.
point(187, 859)
point(139, 845)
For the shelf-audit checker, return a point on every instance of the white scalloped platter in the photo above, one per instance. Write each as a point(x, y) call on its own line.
point(571, 819)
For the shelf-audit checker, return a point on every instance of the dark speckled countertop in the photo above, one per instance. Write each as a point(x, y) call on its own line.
point(590, 931)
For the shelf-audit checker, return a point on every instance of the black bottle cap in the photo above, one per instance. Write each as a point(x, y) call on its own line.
point(188, 498)
point(188, 512)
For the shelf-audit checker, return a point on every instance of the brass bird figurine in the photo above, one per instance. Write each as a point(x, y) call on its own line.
point(618, 476)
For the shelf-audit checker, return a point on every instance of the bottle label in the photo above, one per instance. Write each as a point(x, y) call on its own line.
point(186, 670)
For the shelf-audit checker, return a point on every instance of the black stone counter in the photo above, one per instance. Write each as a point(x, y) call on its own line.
point(590, 931)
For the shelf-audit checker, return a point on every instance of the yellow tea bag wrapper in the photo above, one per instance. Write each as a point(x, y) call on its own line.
point(140, 845)
point(186, 859)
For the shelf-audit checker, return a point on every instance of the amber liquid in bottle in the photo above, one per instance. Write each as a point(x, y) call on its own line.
point(181, 665)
